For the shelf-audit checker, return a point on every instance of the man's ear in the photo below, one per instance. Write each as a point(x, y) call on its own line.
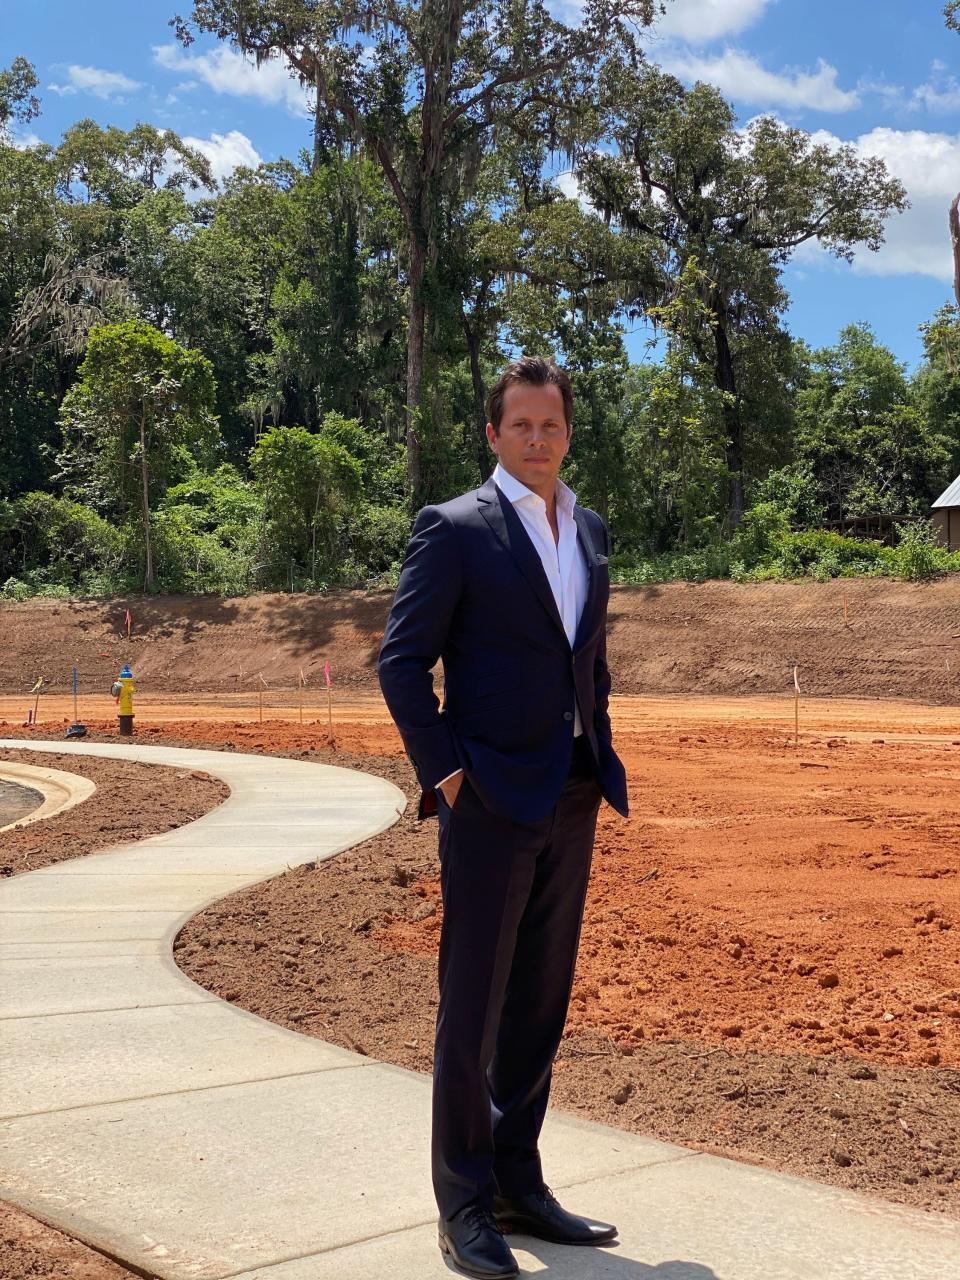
point(491, 436)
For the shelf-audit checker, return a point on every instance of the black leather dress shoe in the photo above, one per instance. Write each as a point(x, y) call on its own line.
point(539, 1214)
point(475, 1244)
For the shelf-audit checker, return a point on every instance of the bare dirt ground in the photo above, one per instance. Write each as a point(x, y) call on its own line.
point(899, 640)
point(769, 967)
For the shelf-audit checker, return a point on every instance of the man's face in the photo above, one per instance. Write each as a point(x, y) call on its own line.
point(534, 437)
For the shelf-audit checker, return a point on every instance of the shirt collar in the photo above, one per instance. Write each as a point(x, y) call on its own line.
point(515, 490)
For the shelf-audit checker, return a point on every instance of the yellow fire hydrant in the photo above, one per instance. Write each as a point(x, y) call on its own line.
point(123, 690)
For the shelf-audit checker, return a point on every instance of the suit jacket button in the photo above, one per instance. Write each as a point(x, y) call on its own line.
point(568, 715)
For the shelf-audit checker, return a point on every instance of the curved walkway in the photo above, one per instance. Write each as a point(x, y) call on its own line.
point(58, 790)
point(193, 1140)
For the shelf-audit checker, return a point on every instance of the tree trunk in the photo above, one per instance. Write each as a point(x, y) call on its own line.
point(601, 492)
point(472, 334)
point(148, 582)
point(955, 240)
point(726, 381)
point(416, 316)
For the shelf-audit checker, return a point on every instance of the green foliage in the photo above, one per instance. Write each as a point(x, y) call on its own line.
point(936, 385)
point(869, 447)
point(737, 202)
point(307, 484)
point(792, 489)
point(17, 100)
point(136, 387)
point(374, 542)
point(225, 376)
point(918, 555)
point(209, 529)
point(51, 545)
point(193, 561)
point(765, 550)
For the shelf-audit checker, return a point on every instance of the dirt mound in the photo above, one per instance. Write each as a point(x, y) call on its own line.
point(899, 639)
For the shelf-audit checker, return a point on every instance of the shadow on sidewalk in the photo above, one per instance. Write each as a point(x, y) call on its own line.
point(559, 1263)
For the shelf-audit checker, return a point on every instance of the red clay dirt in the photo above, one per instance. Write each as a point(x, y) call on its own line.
point(732, 994)
point(899, 639)
point(749, 876)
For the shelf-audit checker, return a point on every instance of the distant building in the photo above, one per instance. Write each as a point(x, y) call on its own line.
point(946, 516)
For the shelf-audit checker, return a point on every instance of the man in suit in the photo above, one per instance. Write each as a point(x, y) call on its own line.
point(508, 585)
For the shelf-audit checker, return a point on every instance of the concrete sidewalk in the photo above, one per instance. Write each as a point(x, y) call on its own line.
point(191, 1139)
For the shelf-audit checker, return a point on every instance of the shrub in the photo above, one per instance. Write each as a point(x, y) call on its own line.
point(55, 546)
point(917, 554)
point(14, 589)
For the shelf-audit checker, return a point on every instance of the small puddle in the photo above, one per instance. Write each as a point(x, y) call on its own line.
point(17, 802)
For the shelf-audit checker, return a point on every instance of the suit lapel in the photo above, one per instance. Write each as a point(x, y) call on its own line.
point(506, 524)
point(590, 556)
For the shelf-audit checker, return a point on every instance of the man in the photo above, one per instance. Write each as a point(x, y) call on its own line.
point(508, 585)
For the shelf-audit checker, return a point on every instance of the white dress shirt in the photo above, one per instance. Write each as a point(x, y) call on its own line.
point(562, 560)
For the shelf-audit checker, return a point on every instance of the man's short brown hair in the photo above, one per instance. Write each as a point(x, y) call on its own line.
point(536, 371)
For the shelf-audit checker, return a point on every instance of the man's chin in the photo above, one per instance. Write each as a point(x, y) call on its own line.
point(536, 473)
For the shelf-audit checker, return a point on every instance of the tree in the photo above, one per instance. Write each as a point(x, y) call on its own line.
point(140, 413)
point(936, 385)
point(423, 87)
point(117, 167)
point(869, 446)
point(739, 201)
point(17, 99)
point(306, 483)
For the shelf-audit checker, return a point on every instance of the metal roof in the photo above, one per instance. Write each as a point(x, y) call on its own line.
point(950, 496)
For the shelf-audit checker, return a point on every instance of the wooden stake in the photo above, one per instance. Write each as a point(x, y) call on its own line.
point(36, 703)
point(796, 709)
point(263, 685)
point(329, 712)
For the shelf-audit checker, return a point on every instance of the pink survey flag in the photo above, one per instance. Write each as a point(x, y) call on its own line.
point(326, 673)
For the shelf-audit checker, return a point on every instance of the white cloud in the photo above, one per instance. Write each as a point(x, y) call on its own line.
point(22, 141)
point(928, 165)
point(940, 93)
point(102, 84)
point(226, 152)
point(700, 21)
point(226, 71)
point(569, 184)
point(741, 77)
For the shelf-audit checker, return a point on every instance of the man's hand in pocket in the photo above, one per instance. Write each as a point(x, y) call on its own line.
point(451, 787)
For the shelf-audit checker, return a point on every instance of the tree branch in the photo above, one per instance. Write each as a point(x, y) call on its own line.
point(311, 68)
point(507, 77)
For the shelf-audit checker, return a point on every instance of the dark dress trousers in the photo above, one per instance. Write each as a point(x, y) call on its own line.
point(515, 849)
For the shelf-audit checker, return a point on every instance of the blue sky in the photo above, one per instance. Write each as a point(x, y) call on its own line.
point(880, 74)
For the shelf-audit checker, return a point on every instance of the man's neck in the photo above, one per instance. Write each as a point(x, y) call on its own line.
point(547, 491)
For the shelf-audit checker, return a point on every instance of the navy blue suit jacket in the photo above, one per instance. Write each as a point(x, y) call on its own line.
point(473, 593)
